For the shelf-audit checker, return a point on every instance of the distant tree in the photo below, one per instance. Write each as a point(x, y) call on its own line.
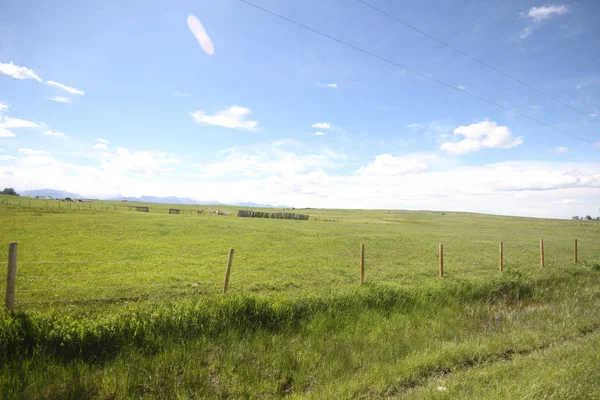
point(10, 192)
point(576, 218)
point(588, 217)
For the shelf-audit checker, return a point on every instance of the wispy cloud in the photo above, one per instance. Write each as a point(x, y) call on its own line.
point(60, 99)
point(145, 163)
point(9, 123)
point(328, 85)
point(278, 158)
point(526, 32)
point(18, 72)
point(415, 126)
point(386, 165)
point(181, 94)
point(6, 158)
point(3, 107)
point(323, 125)
point(31, 152)
point(484, 134)
point(101, 144)
point(319, 133)
point(233, 117)
point(593, 80)
point(559, 149)
point(538, 14)
point(55, 134)
point(566, 201)
point(65, 87)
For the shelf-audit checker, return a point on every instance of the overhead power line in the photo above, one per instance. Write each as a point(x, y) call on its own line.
point(359, 49)
point(587, 115)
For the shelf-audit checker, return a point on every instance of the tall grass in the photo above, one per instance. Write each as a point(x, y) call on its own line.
point(147, 326)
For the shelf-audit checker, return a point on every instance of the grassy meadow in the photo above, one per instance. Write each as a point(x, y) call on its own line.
point(113, 303)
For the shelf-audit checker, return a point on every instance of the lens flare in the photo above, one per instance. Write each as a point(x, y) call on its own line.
point(200, 34)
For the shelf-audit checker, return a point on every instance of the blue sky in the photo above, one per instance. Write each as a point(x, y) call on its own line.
point(119, 98)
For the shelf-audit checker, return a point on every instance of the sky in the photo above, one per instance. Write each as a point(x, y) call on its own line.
point(221, 101)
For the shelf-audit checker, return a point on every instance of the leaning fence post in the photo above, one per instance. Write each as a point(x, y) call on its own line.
point(362, 263)
point(228, 271)
point(441, 257)
point(575, 252)
point(501, 256)
point(11, 277)
point(542, 253)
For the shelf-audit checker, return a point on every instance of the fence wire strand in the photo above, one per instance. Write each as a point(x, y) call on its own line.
point(91, 288)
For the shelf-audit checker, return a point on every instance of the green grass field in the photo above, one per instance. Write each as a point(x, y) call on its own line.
point(113, 303)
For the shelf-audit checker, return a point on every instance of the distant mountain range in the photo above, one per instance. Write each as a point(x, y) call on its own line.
point(167, 200)
point(55, 194)
point(61, 194)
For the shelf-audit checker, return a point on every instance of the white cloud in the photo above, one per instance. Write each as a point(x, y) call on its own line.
point(56, 134)
point(484, 134)
point(146, 163)
point(100, 140)
point(593, 115)
point(9, 123)
point(271, 159)
point(415, 126)
point(65, 87)
point(233, 117)
point(31, 152)
point(4, 133)
point(566, 201)
point(323, 125)
point(7, 158)
point(101, 146)
point(181, 94)
point(60, 99)
point(538, 14)
point(328, 85)
point(17, 72)
point(3, 107)
point(386, 165)
point(559, 149)
point(293, 174)
point(319, 133)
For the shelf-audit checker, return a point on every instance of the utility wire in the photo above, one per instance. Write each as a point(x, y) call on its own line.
point(587, 115)
point(359, 49)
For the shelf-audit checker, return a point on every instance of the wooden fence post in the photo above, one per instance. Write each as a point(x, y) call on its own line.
point(11, 277)
point(228, 271)
point(501, 256)
point(362, 263)
point(441, 257)
point(542, 253)
point(575, 252)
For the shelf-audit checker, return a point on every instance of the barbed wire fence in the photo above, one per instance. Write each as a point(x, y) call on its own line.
point(144, 290)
